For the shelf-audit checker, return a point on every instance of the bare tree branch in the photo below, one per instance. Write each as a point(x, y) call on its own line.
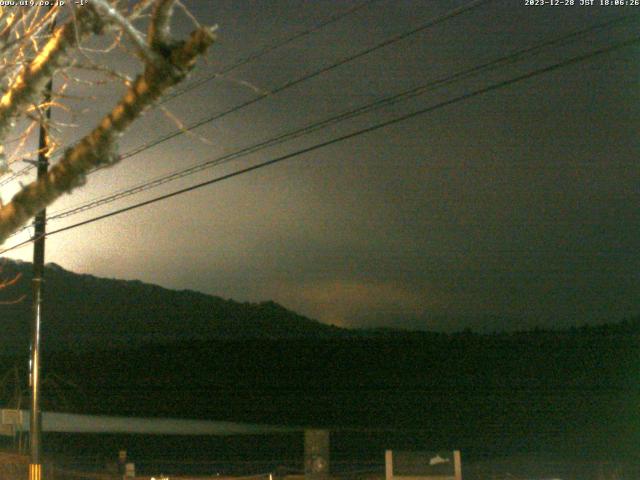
point(144, 50)
point(32, 80)
point(98, 148)
point(7, 283)
point(159, 32)
point(139, 9)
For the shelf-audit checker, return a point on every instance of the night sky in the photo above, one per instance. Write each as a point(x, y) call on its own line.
point(512, 209)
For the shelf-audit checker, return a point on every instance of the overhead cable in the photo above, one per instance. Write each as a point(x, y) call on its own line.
point(372, 128)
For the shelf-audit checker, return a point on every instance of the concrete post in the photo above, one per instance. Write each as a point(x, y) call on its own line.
point(316, 454)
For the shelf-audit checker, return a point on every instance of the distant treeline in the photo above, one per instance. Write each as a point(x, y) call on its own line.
point(128, 348)
point(569, 391)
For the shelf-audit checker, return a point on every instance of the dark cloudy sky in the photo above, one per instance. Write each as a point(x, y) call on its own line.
point(515, 208)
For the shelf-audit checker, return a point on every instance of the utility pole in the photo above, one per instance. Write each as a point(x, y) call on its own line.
point(35, 420)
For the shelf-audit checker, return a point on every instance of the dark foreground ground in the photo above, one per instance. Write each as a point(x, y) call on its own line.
point(537, 405)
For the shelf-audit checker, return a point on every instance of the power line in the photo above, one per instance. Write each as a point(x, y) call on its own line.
point(261, 53)
point(291, 83)
point(389, 100)
point(394, 39)
point(17, 174)
point(372, 128)
point(234, 66)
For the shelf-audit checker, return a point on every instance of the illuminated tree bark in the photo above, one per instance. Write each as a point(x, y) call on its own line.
point(166, 63)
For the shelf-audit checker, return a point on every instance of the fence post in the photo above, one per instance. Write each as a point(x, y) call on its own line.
point(316, 454)
point(457, 464)
point(388, 465)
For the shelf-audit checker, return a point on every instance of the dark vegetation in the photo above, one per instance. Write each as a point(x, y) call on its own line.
point(127, 348)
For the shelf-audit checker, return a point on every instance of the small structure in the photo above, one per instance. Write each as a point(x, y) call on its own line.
point(316, 454)
point(316, 442)
point(423, 465)
point(12, 421)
